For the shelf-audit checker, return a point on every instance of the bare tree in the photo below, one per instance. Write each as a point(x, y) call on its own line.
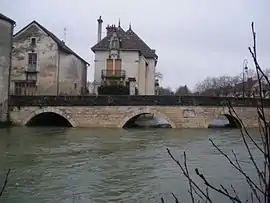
point(165, 91)
point(259, 190)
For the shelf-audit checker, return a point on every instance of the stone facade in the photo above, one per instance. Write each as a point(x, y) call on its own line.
point(117, 116)
point(6, 33)
point(54, 69)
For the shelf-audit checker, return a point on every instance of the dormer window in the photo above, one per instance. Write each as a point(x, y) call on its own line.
point(114, 42)
point(33, 41)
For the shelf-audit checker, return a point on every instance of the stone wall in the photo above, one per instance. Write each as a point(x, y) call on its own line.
point(72, 75)
point(6, 32)
point(117, 116)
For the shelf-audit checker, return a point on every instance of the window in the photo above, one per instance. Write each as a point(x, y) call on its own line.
point(114, 43)
point(109, 71)
point(32, 62)
point(33, 41)
point(118, 67)
point(25, 88)
point(31, 76)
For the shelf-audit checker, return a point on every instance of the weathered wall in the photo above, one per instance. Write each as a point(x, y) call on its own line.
point(134, 65)
point(116, 117)
point(5, 50)
point(150, 77)
point(72, 75)
point(47, 52)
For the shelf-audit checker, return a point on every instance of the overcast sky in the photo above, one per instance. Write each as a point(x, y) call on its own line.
point(193, 38)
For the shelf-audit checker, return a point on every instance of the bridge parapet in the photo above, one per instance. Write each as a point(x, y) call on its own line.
point(142, 100)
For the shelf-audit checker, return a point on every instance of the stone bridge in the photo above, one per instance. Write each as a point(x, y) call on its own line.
point(116, 111)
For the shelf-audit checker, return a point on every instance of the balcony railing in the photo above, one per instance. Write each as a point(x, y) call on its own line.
point(113, 74)
point(31, 68)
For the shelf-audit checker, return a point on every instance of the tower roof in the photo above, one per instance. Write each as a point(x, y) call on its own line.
point(130, 41)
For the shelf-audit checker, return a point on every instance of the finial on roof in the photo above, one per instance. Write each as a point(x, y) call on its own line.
point(119, 23)
point(130, 25)
point(100, 20)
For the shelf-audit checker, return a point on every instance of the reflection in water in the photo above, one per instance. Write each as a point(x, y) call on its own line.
point(112, 165)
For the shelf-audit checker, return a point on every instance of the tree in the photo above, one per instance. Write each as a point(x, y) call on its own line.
point(182, 90)
point(260, 185)
point(165, 91)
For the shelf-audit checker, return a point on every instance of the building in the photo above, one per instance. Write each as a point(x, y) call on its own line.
point(6, 33)
point(42, 64)
point(122, 58)
point(251, 88)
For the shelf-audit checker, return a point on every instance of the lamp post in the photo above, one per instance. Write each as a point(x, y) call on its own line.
point(245, 68)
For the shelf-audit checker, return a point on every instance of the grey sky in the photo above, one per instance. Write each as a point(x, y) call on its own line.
point(193, 38)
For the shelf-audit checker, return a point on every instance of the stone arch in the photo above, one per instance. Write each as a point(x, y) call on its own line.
point(50, 110)
point(233, 121)
point(145, 111)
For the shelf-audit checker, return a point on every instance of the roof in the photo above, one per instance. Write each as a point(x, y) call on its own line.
point(247, 85)
point(129, 41)
point(59, 42)
point(3, 17)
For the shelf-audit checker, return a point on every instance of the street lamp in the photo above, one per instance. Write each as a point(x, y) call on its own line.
point(245, 68)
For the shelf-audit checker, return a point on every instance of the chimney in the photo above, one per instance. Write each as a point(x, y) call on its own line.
point(110, 29)
point(100, 21)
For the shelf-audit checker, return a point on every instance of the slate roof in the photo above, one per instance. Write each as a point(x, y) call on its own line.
point(62, 46)
point(3, 17)
point(129, 41)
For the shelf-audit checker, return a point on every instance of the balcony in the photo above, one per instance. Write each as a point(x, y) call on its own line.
point(113, 74)
point(31, 68)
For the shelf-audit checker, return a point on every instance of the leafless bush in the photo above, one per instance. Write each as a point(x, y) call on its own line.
point(259, 189)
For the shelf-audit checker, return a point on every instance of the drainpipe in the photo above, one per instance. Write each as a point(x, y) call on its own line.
point(9, 73)
point(58, 71)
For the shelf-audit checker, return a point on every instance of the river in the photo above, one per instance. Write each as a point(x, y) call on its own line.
point(55, 165)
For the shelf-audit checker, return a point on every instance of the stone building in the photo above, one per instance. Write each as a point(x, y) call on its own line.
point(123, 57)
point(42, 64)
point(6, 33)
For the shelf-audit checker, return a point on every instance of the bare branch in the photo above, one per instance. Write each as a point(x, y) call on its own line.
point(188, 177)
point(214, 188)
point(5, 183)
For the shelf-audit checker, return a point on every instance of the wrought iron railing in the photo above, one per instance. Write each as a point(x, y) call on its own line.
point(113, 73)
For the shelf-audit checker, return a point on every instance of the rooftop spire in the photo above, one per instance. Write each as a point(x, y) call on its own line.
point(119, 23)
point(130, 25)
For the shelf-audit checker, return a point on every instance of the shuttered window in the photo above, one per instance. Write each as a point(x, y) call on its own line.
point(109, 67)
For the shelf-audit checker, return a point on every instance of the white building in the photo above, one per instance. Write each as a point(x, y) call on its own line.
point(123, 56)
point(42, 64)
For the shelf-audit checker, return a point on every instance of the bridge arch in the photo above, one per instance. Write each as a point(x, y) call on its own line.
point(53, 111)
point(233, 122)
point(145, 111)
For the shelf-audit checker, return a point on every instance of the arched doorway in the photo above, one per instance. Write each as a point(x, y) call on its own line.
point(48, 119)
point(225, 121)
point(146, 120)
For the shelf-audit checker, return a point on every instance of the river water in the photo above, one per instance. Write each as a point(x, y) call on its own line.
point(108, 165)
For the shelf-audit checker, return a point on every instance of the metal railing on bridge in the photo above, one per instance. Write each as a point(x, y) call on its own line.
point(139, 100)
